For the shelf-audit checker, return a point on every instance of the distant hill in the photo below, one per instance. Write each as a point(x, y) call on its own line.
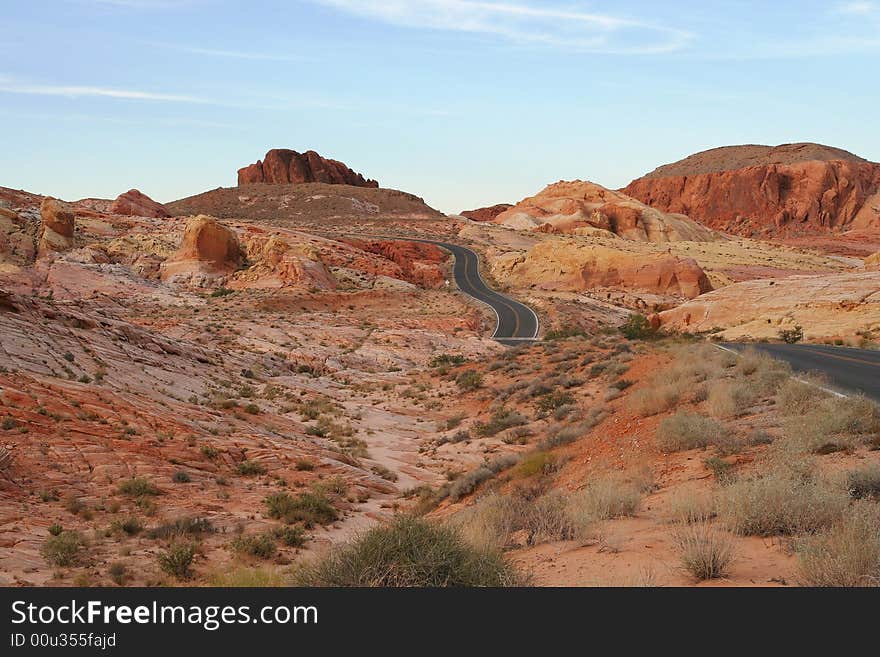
point(768, 190)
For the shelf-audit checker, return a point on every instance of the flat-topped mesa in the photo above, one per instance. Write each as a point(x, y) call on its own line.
point(282, 166)
point(768, 190)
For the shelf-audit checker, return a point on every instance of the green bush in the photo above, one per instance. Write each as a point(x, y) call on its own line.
point(291, 536)
point(250, 468)
point(637, 327)
point(256, 545)
point(792, 336)
point(63, 549)
point(177, 559)
point(137, 487)
point(409, 552)
point(469, 380)
point(310, 508)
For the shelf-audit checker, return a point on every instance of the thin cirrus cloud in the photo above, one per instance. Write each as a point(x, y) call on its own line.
point(861, 8)
point(523, 23)
point(230, 54)
point(8, 85)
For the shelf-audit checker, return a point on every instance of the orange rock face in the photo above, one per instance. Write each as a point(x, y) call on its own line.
point(750, 191)
point(421, 264)
point(136, 204)
point(284, 166)
point(209, 249)
point(486, 214)
point(574, 267)
point(58, 225)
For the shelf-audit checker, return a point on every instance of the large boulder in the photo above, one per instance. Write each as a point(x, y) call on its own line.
point(555, 265)
point(583, 208)
point(769, 191)
point(282, 166)
point(58, 225)
point(208, 252)
point(133, 203)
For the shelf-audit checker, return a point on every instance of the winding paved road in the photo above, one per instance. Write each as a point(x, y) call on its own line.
point(856, 370)
point(517, 323)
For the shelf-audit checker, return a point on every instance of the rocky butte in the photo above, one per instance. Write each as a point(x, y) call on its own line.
point(768, 191)
point(283, 166)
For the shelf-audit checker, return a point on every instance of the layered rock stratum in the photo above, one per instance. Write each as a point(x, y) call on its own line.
point(584, 208)
point(768, 191)
point(486, 214)
point(282, 166)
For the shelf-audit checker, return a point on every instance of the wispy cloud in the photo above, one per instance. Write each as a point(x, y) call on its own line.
point(138, 4)
point(862, 8)
point(230, 54)
point(9, 85)
point(523, 23)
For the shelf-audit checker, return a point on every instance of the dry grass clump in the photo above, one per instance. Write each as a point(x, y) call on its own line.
point(781, 501)
point(705, 552)
point(798, 398)
point(864, 482)
point(688, 506)
point(834, 424)
point(606, 497)
point(764, 373)
point(848, 554)
point(728, 399)
point(655, 399)
point(684, 431)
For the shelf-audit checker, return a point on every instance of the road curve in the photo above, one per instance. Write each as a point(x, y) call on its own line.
point(855, 370)
point(516, 322)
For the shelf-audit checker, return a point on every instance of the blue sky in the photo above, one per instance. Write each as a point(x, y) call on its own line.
point(464, 102)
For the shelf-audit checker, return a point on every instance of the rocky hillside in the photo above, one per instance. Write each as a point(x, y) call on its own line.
point(764, 190)
point(315, 201)
point(282, 166)
point(585, 208)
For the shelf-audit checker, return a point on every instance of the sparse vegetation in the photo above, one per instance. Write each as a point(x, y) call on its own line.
point(409, 552)
point(309, 508)
point(177, 559)
point(63, 549)
point(137, 487)
point(705, 552)
point(684, 431)
point(469, 380)
point(847, 554)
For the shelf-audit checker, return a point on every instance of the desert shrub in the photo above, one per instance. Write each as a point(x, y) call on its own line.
point(118, 573)
point(705, 553)
point(290, 535)
point(309, 508)
point(250, 468)
point(846, 555)
point(687, 507)
point(792, 335)
point(550, 402)
point(181, 477)
point(384, 472)
point(177, 559)
point(722, 470)
point(654, 399)
point(537, 463)
point(604, 498)
point(221, 292)
point(834, 424)
point(63, 549)
point(409, 552)
point(304, 465)
point(798, 398)
point(565, 332)
point(468, 482)
point(137, 487)
point(130, 526)
point(189, 526)
point(637, 327)
point(501, 419)
point(469, 380)
point(261, 546)
point(684, 431)
point(864, 482)
point(780, 502)
point(729, 399)
point(252, 409)
point(55, 529)
point(447, 360)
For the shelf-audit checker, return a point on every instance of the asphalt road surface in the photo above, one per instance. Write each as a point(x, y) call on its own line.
point(517, 323)
point(853, 370)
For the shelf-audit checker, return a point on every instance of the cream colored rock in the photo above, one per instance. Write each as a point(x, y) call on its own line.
point(873, 262)
point(277, 264)
point(557, 265)
point(572, 207)
point(58, 225)
point(209, 251)
point(825, 305)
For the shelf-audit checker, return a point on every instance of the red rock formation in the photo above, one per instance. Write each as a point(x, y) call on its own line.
point(135, 204)
point(486, 214)
point(759, 190)
point(421, 264)
point(284, 166)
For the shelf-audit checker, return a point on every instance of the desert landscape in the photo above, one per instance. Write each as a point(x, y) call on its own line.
point(287, 382)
